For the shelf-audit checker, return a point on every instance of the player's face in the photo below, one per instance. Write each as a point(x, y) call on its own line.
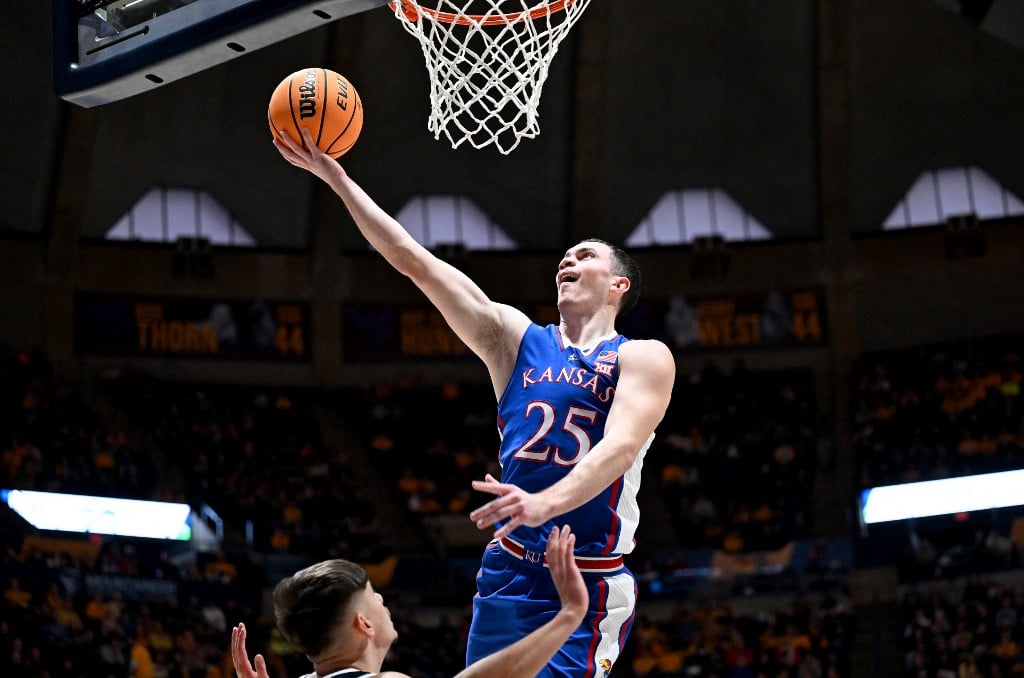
point(380, 617)
point(585, 273)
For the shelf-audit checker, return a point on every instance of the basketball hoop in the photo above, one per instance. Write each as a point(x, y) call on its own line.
point(487, 64)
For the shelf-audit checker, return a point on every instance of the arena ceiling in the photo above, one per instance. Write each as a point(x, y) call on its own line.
point(811, 114)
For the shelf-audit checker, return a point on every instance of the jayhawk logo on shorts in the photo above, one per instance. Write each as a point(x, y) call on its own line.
point(606, 666)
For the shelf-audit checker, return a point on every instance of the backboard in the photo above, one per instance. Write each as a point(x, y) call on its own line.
point(107, 50)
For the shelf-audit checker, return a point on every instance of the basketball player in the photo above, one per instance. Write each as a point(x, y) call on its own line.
point(330, 612)
point(577, 408)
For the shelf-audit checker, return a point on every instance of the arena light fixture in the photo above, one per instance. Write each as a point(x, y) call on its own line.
point(942, 497)
point(101, 515)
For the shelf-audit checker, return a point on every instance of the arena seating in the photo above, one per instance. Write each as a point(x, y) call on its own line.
point(942, 411)
point(966, 627)
point(735, 464)
point(258, 456)
point(939, 411)
point(53, 440)
point(736, 457)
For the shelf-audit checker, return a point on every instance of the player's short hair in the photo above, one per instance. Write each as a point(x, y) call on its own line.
point(625, 265)
point(309, 604)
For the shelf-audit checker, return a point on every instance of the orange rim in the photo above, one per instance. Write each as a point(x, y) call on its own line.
point(411, 10)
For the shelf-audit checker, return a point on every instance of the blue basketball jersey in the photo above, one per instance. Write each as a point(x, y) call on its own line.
point(552, 413)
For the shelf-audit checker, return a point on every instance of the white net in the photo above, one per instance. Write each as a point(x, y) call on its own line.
point(488, 60)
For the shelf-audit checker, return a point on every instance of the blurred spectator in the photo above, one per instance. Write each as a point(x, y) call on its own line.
point(141, 660)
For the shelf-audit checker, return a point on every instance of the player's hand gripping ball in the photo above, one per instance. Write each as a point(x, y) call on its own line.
point(322, 101)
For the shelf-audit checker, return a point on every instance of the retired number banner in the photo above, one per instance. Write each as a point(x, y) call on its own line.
point(251, 329)
point(755, 320)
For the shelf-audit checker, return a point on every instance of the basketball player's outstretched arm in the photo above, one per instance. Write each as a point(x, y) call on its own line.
point(489, 329)
point(647, 372)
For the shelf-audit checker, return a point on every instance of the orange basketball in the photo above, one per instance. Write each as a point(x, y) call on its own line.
point(323, 102)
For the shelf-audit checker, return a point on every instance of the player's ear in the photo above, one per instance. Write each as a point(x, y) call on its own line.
point(621, 284)
point(362, 625)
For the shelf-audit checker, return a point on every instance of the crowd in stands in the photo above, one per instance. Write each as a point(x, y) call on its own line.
point(429, 442)
point(942, 411)
point(118, 610)
point(735, 460)
point(967, 628)
point(939, 411)
point(799, 636)
point(736, 457)
point(258, 456)
point(52, 440)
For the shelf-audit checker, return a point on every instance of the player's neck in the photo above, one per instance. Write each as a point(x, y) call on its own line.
point(332, 663)
point(586, 332)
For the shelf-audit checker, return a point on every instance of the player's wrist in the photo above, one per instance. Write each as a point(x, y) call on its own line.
point(550, 502)
point(572, 615)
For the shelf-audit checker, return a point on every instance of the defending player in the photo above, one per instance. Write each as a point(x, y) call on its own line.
point(331, 612)
point(577, 406)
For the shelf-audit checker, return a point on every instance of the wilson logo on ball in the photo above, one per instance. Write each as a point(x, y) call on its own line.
point(307, 96)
